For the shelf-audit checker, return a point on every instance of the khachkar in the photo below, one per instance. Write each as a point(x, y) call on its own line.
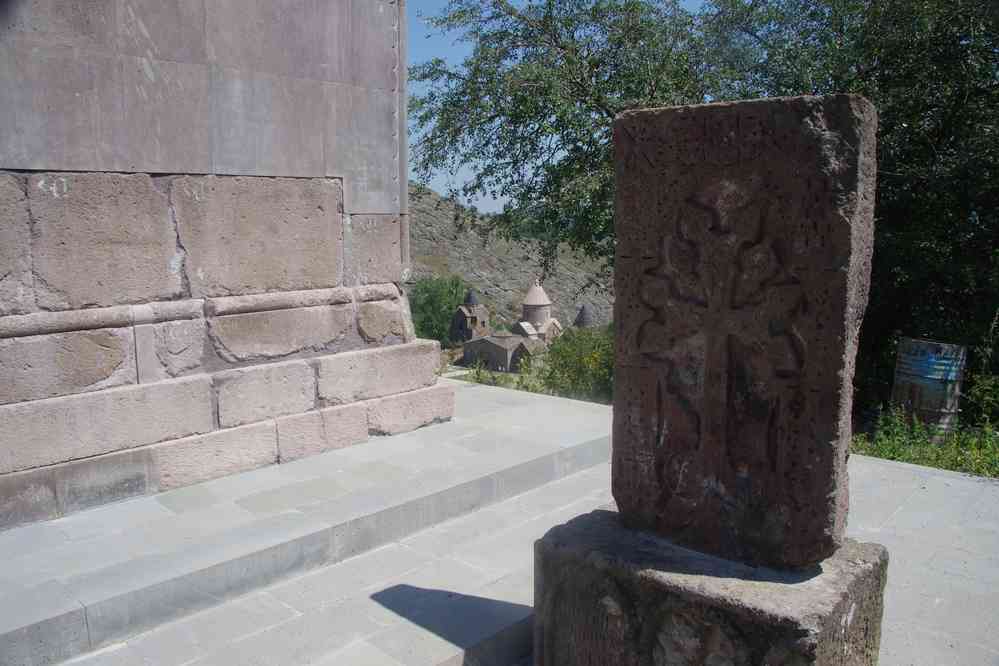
point(744, 238)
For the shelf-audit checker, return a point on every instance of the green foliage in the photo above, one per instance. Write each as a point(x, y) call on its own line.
point(932, 69)
point(982, 393)
point(580, 364)
point(973, 450)
point(433, 301)
point(530, 110)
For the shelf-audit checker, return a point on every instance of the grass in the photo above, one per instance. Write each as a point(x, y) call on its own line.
point(968, 449)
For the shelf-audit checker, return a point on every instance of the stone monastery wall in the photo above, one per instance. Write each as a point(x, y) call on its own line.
point(203, 226)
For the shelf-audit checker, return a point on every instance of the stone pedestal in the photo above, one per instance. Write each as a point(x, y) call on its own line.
point(607, 595)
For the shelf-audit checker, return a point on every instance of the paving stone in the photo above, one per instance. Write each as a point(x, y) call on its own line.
point(292, 496)
point(44, 626)
point(362, 375)
point(125, 244)
point(258, 336)
point(46, 366)
point(60, 429)
point(360, 653)
point(203, 457)
point(16, 284)
point(314, 432)
point(246, 235)
point(264, 391)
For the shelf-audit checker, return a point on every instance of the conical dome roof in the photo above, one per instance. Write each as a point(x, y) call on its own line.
point(585, 318)
point(536, 295)
point(471, 298)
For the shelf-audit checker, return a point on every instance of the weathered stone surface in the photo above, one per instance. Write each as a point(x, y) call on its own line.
point(282, 37)
point(26, 497)
point(49, 492)
point(42, 323)
point(377, 292)
point(307, 434)
point(45, 432)
point(372, 251)
point(57, 102)
point(265, 391)
point(16, 292)
point(171, 349)
point(88, 24)
point(362, 43)
point(171, 30)
point(360, 375)
point(280, 300)
point(605, 594)
point(743, 260)
point(277, 333)
point(245, 235)
point(362, 147)
point(124, 246)
point(45, 366)
point(267, 125)
point(408, 411)
point(196, 459)
point(381, 322)
point(166, 117)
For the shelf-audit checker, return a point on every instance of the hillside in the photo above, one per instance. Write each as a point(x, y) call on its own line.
point(500, 271)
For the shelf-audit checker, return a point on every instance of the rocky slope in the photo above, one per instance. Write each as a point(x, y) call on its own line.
point(500, 271)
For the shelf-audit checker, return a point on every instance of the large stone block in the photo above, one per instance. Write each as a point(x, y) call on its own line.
point(166, 117)
point(17, 294)
point(362, 147)
point(85, 24)
point(267, 125)
point(362, 43)
point(408, 411)
point(171, 30)
point(245, 235)
point(381, 322)
point(281, 37)
point(314, 432)
point(276, 333)
point(361, 375)
point(59, 106)
point(605, 594)
point(204, 457)
point(371, 249)
point(45, 432)
point(172, 349)
point(264, 391)
point(45, 366)
point(124, 245)
point(743, 260)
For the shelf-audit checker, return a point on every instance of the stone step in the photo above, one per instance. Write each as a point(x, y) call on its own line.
point(92, 579)
point(457, 593)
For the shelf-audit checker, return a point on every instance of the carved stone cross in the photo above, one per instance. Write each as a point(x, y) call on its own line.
point(744, 240)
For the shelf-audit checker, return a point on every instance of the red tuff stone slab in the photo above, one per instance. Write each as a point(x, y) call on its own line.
point(743, 264)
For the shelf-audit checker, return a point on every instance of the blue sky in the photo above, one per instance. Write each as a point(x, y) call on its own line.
point(425, 43)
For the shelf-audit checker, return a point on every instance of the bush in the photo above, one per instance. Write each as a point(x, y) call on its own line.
point(969, 449)
point(433, 301)
point(580, 364)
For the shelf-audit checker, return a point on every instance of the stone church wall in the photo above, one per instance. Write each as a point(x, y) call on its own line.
point(203, 227)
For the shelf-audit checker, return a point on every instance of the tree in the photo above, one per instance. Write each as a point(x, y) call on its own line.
point(531, 109)
point(433, 301)
point(932, 69)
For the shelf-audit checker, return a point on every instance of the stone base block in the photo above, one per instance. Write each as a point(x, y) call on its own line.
point(605, 594)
